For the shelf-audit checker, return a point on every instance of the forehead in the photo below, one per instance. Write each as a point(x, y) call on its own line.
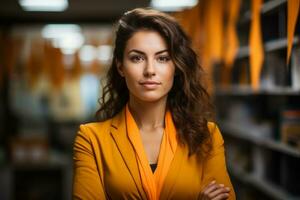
point(146, 40)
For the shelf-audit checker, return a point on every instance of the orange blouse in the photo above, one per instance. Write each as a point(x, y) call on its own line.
point(105, 165)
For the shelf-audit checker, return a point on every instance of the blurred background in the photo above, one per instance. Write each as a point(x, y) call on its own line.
point(55, 53)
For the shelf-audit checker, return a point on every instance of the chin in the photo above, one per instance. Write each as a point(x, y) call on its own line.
point(150, 97)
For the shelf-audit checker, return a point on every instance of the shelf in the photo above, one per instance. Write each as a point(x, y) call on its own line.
point(266, 8)
point(265, 186)
point(247, 90)
point(269, 46)
point(56, 160)
point(243, 52)
point(278, 44)
point(250, 134)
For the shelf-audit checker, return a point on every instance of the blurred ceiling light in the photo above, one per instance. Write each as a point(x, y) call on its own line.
point(67, 37)
point(44, 5)
point(172, 5)
point(104, 53)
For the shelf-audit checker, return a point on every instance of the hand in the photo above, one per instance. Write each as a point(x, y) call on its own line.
point(214, 191)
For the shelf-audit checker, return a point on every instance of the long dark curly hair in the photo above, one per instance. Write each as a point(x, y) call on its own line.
point(188, 100)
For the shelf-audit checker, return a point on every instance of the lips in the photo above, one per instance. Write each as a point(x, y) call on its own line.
point(150, 85)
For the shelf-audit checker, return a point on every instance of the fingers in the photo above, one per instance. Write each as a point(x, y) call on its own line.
point(221, 196)
point(214, 191)
point(212, 187)
point(220, 193)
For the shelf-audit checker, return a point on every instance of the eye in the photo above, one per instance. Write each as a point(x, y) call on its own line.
point(136, 58)
point(163, 59)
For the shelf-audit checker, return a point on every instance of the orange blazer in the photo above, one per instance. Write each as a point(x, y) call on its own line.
point(105, 165)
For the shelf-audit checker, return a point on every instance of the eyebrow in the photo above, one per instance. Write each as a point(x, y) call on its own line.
point(140, 52)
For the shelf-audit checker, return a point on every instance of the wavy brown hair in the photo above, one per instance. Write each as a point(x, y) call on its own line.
point(188, 99)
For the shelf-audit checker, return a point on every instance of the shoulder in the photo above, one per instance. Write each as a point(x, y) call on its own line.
point(100, 130)
point(95, 128)
point(216, 137)
point(215, 132)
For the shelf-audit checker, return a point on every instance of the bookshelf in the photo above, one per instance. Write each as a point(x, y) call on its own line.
point(254, 123)
point(244, 91)
point(30, 180)
point(266, 7)
point(273, 45)
point(257, 127)
point(239, 132)
point(271, 189)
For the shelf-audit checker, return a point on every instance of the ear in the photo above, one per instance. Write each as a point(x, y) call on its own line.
point(120, 68)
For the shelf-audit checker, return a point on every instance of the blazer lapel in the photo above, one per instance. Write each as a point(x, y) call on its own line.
point(119, 134)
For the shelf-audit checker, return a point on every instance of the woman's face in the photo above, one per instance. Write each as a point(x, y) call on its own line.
point(147, 66)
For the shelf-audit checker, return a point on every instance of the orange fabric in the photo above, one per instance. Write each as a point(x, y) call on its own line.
point(256, 47)
point(214, 29)
point(293, 11)
point(105, 165)
point(232, 42)
point(152, 183)
point(192, 21)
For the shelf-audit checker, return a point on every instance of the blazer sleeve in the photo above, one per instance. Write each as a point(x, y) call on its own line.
point(215, 164)
point(87, 183)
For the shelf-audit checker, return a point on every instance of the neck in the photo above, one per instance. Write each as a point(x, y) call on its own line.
point(148, 115)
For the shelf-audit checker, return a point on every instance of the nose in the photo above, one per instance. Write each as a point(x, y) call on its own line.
point(149, 68)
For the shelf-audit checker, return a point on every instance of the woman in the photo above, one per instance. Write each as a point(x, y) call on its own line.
point(153, 140)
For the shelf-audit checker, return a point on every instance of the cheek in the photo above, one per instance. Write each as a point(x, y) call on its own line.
point(170, 83)
point(132, 75)
point(130, 80)
point(170, 72)
point(169, 77)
